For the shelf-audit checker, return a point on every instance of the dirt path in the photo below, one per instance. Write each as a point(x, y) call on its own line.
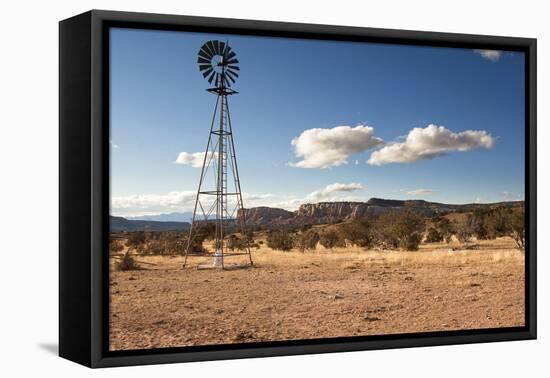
point(316, 295)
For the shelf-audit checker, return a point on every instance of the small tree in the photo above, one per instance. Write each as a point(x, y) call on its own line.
point(195, 245)
point(383, 231)
point(305, 227)
point(498, 222)
point(445, 229)
point(441, 230)
point(434, 236)
point(517, 228)
point(155, 247)
point(360, 232)
point(478, 224)
point(236, 243)
point(249, 236)
point(127, 263)
point(408, 230)
point(281, 240)
point(136, 240)
point(115, 246)
point(307, 240)
point(464, 229)
point(330, 239)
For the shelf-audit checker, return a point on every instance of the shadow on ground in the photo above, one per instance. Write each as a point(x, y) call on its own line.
point(51, 348)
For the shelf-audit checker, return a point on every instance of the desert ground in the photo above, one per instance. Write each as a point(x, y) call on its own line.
point(317, 294)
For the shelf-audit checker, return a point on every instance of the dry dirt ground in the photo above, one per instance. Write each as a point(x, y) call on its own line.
point(295, 295)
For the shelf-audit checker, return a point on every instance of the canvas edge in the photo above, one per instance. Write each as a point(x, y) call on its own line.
point(74, 189)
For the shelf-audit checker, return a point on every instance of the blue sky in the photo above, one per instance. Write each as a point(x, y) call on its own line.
point(385, 96)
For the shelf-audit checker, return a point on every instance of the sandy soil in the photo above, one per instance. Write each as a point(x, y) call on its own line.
point(294, 295)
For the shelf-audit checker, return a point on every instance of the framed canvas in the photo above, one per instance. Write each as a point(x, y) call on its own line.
point(234, 188)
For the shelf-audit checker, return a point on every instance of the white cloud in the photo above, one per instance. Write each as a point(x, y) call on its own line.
point(194, 159)
point(331, 192)
point(184, 201)
point(324, 148)
point(289, 203)
point(113, 144)
point(149, 204)
point(153, 204)
point(492, 55)
point(478, 200)
point(507, 196)
point(429, 142)
point(419, 192)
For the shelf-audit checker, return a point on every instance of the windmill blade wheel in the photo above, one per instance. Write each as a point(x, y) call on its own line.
point(218, 63)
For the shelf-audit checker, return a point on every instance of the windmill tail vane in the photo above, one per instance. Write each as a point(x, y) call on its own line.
point(219, 208)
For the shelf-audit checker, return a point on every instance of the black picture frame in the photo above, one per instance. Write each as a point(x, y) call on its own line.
point(84, 189)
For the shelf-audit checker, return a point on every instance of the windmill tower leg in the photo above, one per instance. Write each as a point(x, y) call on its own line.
point(240, 205)
point(192, 235)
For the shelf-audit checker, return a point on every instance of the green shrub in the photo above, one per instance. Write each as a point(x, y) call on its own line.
point(441, 230)
point(330, 239)
point(305, 227)
point(434, 236)
point(498, 222)
point(464, 228)
point(127, 263)
point(517, 228)
point(115, 246)
point(445, 228)
point(408, 230)
point(478, 221)
point(281, 240)
point(359, 232)
point(307, 240)
point(236, 243)
point(384, 231)
point(135, 239)
point(155, 247)
point(195, 245)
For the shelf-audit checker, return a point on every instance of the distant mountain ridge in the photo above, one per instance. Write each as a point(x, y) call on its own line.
point(170, 217)
point(165, 217)
point(307, 214)
point(122, 224)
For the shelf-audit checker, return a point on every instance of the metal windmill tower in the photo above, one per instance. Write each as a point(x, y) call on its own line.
point(219, 199)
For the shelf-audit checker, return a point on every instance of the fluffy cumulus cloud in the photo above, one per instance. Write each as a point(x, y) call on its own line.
point(492, 55)
point(324, 148)
point(332, 192)
point(429, 142)
point(194, 159)
point(419, 192)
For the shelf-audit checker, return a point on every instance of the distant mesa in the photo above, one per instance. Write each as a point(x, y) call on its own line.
point(331, 212)
point(264, 214)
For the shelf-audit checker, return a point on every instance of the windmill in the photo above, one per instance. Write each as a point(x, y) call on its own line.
point(219, 199)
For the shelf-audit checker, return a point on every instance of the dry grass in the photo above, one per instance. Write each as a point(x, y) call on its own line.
point(295, 295)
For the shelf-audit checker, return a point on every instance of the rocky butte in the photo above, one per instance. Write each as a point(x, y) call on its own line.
point(332, 212)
